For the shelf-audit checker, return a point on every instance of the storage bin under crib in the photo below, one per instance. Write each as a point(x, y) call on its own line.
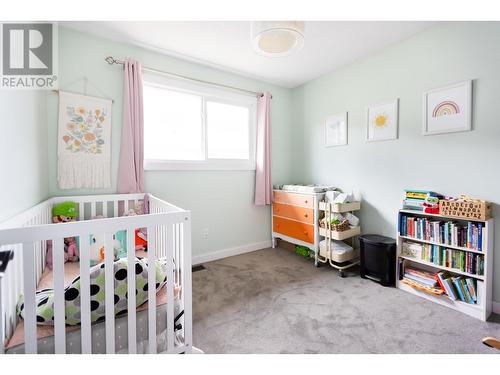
point(163, 323)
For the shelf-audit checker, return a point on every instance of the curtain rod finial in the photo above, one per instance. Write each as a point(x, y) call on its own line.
point(110, 60)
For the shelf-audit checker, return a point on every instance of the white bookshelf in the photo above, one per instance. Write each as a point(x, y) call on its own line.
point(482, 309)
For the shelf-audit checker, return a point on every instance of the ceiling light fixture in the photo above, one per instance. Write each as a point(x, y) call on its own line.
point(277, 38)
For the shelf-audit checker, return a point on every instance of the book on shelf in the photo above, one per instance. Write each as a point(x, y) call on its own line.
point(471, 288)
point(451, 232)
point(446, 282)
point(457, 288)
point(424, 278)
point(466, 289)
point(421, 200)
point(442, 256)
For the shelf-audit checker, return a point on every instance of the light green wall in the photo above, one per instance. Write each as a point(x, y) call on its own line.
point(23, 151)
point(221, 201)
point(379, 171)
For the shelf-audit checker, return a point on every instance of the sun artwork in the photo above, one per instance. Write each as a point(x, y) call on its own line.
point(381, 120)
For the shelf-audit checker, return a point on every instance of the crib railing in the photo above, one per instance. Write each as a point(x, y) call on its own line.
point(169, 236)
point(11, 284)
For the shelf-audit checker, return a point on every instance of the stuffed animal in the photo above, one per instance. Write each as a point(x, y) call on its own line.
point(141, 235)
point(62, 213)
point(431, 204)
point(97, 248)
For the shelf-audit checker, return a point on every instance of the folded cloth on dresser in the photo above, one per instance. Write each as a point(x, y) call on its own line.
point(306, 188)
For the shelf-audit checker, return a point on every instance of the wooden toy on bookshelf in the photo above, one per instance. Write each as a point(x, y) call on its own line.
point(465, 207)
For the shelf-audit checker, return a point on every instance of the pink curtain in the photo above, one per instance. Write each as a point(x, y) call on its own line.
point(131, 168)
point(263, 152)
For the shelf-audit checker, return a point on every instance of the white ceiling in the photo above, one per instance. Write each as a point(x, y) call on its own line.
point(226, 44)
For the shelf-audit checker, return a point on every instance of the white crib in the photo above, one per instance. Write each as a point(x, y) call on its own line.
point(169, 236)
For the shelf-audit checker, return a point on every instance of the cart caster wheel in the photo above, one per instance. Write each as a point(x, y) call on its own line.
point(317, 265)
point(342, 274)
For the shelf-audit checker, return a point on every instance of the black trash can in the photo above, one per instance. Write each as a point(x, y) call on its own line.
point(378, 258)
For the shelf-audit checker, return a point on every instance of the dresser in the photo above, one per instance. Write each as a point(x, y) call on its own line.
point(295, 218)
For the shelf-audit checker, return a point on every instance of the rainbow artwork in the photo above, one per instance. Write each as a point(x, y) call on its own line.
point(446, 108)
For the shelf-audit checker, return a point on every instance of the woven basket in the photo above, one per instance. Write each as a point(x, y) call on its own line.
point(344, 225)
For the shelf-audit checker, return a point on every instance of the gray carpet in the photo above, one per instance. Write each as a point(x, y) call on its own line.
point(274, 301)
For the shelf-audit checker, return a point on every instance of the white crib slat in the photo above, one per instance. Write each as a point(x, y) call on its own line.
point(125, 206)
point(115, 208)
point(186, 281)
point(85, 294)
point(59, 298)
point(109, 258)
point(105, 207)
point(132, 326)
point(169, 241)
point(81, 211)
point(152, 289)
point(2, 321)
point(176, 253)
point(92, 209)
point(30, 343)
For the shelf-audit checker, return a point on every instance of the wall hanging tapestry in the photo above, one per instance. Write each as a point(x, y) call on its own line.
point(84, 141)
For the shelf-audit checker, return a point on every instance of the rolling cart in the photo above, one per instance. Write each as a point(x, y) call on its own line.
point(339, 255)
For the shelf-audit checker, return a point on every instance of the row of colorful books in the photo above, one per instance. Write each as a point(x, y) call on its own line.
point(442, 256)
point(458, 288)
point(452, 233)
point(455, 287)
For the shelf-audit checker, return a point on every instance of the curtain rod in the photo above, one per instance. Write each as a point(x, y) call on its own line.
point(112, 61)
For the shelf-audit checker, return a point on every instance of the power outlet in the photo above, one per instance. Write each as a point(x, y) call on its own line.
point(204, 233)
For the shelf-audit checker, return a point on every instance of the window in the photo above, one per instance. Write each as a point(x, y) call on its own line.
point(195, 127)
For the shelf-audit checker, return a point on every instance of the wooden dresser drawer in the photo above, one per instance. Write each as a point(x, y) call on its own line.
point(303, 214)
point(294, 199)
point(300, 231)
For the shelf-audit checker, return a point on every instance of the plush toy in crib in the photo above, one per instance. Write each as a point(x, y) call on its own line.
point(63, 213)
point(141, 235)
point(97, 248)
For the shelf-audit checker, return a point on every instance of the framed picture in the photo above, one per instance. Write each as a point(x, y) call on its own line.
point(336, 130)
point(448, 109)
point(382, 121)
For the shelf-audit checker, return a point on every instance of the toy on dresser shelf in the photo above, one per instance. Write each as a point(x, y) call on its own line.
point(64, 212)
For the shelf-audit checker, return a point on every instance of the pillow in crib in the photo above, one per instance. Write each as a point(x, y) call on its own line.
point(44, 298)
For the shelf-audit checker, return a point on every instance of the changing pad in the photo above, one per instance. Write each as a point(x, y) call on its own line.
point(307, 188)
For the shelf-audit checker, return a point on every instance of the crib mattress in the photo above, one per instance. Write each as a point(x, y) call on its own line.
point(45, 334)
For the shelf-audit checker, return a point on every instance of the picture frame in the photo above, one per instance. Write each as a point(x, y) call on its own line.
point(448, 109)
point(335, 131)
point(382, 121)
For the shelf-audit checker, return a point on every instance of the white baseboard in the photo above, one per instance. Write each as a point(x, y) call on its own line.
point(219, 254)
point(496, 307)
